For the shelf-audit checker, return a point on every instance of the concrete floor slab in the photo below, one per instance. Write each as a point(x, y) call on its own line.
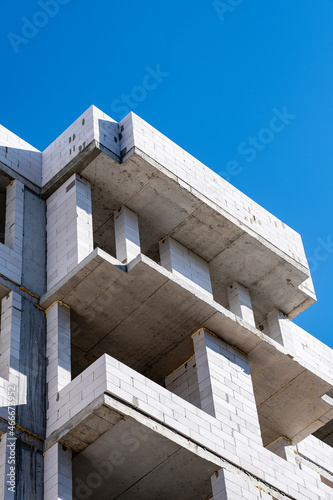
point(130, 461)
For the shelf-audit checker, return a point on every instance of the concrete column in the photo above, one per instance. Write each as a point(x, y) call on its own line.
point(181, 261)
point(225, 387)
point(240, 302)
point(8, 467)
point(10, 339)
point(232, 486)
point(58, 473)
point(14, 216)
point(127, 235)
point(69, 228)
point(58, 350)
point(280, 329)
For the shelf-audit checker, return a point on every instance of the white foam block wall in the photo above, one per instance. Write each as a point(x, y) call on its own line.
point(184, 383)
point(225, 387)
point(20, 156)
point(240, 302)
point(69, 228)
point(181, 261)
point(281, 329)
point(229, 486)
point(11, 251)
point(58, 473)
point(58, 350)
point(127, 235)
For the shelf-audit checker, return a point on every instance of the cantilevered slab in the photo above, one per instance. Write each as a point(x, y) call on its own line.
point(141, 312)
point(133, 462)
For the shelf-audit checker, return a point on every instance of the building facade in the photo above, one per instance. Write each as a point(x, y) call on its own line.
point(147, 349)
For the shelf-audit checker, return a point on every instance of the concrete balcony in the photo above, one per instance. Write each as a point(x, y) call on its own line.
point(144, 316)
point(129, 436)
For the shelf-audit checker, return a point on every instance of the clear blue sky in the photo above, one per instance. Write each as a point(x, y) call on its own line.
point(224, 67)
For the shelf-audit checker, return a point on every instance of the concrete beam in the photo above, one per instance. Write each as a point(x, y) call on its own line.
point(225, 386)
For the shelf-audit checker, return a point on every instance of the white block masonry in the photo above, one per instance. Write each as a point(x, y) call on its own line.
point(10, 339)
point(58, 473)
point(69, 228)
point(92, 125)
point(225, 387)
point(181, 261)
point(68, 145)
point(126, 226)
point(58, 351)
point(280, 329)
point(317, 452)
point(184, 382)
point(14, 216)
point(20, 156)
point(11, 251)
point(7, 460)
point(240, 302)
point(229, 486)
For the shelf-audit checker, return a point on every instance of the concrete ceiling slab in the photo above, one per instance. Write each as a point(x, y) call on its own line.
point(265, 363)
point(301, 410)
point(120, 454)
point(136, 463)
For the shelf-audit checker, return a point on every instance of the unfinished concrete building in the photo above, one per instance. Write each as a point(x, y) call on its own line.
point(147, 344)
